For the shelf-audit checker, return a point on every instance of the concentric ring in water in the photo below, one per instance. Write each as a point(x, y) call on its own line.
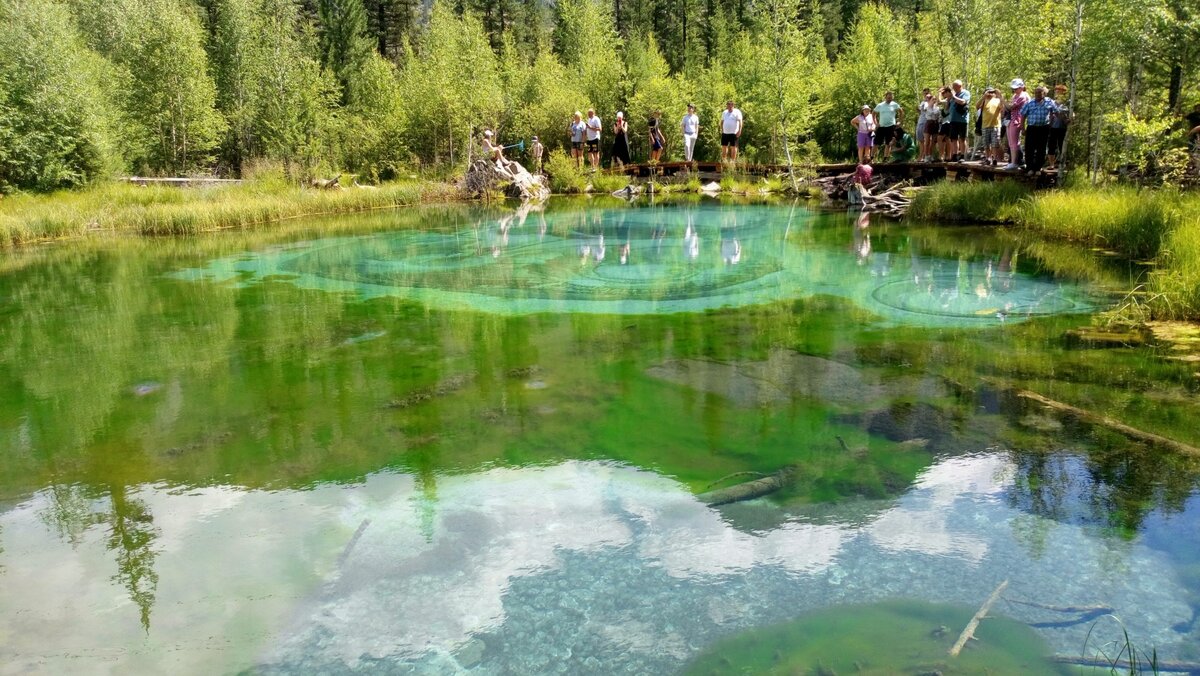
point(651, 261)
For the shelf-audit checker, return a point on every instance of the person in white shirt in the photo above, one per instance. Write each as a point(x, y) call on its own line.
point(691, 130)
point(593, 138)
point(731, 131)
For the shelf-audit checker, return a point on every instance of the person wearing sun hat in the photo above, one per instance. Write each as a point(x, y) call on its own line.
point(1013, 133)
point(864, 124)
point(537, 152)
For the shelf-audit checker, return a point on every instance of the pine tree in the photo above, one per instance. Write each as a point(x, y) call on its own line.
point(345, 45)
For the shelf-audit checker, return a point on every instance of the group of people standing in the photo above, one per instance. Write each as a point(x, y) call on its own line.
point(585, 135)
point(1001, 123)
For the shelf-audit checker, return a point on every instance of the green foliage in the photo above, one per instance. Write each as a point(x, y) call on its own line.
point(564, 176)
point(211, 85)
point(451, 85)
point(608, 183)
point(542, 98)
point(272, 91)
point(374, 121)
point(1177, 281)
point(56, 118)
point(163, 83)
point(878, 56)
point(345, 47)
point(588, 46)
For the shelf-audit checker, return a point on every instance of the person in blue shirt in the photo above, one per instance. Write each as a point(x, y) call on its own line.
point(1036, 117)
point(959, 113)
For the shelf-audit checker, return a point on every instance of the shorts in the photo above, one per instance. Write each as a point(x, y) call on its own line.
point(933, 128)
point(594, 145)
point(729, 140)
point(991, 137)
point(1057, 136)
point(944, 129)
point(958, 130)
point(884, 135)
point(577, 145)
point(865, 140)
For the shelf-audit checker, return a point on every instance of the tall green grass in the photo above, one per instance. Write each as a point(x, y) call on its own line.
point(1176, 283)
point(1132, 221)
point(991, 202)
point(164, 210)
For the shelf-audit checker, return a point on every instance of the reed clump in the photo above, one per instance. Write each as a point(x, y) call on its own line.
point(1132, 221)
point(991, 202)
point(165, 210)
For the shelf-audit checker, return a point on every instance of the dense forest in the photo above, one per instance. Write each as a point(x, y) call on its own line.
point(96, 88)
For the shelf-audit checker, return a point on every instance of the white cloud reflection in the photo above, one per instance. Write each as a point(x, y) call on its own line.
point(252, 577)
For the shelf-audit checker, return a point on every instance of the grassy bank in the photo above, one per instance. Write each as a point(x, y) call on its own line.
point(164, 210)
point(1159, 226)
point(994, 202)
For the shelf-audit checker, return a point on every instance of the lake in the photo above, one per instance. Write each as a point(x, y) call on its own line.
point(470, 439)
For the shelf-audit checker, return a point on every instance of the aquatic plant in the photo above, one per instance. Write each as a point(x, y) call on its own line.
point(1128, 658)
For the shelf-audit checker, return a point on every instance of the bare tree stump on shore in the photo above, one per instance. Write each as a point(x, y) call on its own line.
point(484, 176)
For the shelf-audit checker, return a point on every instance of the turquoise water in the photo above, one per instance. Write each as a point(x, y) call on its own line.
point(446, 441)
point(645, 261)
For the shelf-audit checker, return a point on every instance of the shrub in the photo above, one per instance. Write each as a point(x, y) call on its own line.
point(565, 177)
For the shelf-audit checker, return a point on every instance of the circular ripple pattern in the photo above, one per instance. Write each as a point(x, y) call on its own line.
point(655, 260)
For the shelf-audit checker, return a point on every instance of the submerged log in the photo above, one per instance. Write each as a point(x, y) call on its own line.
point(1159, 666)
point(750, 489)
point(1105, 421)
point(1074, 610)
point(969, 632)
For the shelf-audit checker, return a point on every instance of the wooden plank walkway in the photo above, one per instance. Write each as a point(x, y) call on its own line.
point(918, 172)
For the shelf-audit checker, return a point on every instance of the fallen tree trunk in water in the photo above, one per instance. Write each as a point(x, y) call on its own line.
point(969, 632)
point(1159, 666)
point(1104, 421)
point(750, 489)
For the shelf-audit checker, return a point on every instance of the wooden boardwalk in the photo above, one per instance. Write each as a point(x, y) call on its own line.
point(918, 172)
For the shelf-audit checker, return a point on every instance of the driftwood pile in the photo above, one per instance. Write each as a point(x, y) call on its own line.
point(484, 176)
point(893, 202)
point(883, 195)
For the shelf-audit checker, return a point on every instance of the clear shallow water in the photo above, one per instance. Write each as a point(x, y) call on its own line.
point(644, 261)
point(269, 474)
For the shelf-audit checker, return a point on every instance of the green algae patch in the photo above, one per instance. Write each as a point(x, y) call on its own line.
point(894, 637)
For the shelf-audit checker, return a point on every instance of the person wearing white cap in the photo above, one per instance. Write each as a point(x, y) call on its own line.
point(1013, 132)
